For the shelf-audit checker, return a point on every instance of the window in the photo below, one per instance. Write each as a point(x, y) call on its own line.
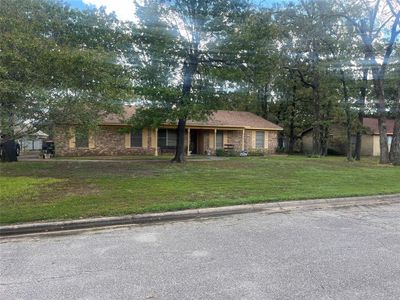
point(82, 138)
point(260, 139)
point(167, 137)
point(162, 137)
point(171, 137)
point(390, 138)
point(136, 138)
point(219, 139)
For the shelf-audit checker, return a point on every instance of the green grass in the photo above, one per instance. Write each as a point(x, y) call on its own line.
point(32, 191)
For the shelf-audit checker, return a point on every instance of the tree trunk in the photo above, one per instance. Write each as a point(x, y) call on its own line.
point(189, 68)
point(363, 95)
point(378, 74)
point(263, 100)
point(292, 137)
point(8, 151)
point(317, 123)
point(383, 141)
point(324, 140)
point(317, 149)
point(348, 118)
point(180, 142)
point(395, 147)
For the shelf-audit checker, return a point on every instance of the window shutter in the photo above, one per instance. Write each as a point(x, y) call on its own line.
point(71, 141)
point(127, 140)
point(253, 139)
point(145, 138)
point(92, 141)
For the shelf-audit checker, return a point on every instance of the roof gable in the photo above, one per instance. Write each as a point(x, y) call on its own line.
point(372, 124)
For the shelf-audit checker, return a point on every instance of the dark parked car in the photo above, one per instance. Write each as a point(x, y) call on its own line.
point(48, 149)
point(4, 144)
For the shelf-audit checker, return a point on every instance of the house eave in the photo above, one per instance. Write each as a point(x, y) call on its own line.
point(227, 127)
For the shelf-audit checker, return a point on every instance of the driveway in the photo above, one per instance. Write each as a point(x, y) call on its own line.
point(351, 253)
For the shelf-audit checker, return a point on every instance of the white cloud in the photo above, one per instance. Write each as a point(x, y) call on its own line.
point(124, 9)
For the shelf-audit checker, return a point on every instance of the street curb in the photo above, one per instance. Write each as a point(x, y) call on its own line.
point(269, 207)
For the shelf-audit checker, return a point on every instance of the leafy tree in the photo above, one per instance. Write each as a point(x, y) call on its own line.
point(395, 147)
point(369, 19)
point(175, 51)
point(57, 65)
point(307, 42)
point(250, 60)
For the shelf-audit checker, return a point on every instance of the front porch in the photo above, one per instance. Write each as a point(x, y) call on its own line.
point(202, 141)
point(207, 141)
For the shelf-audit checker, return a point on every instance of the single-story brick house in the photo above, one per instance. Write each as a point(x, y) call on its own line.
point(337, 139)
point(237, 130)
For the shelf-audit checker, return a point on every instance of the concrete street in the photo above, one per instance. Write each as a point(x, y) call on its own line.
point(348, 253)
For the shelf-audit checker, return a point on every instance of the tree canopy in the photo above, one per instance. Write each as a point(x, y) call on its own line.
point(305, 65)
point(58, 65)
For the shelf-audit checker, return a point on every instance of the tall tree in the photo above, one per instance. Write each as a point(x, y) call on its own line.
point(250, 60)
point(181, 39)
point(304, 29)
point(57, 65)
point(370, 19)
point(395, 147)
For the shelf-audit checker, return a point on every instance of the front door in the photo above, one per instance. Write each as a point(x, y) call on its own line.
point(193, 142)
point(220, 139)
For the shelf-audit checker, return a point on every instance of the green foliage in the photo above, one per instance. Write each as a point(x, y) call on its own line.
point(227, 152)
point(175, 52)
point(251, 59)
point(58, 65)
point(220, 152)
point(256, 152)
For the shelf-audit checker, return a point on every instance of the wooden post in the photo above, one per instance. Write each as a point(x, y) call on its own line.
point(243, 140)
point(215, 140)
point(188, 141)
point(156, 143)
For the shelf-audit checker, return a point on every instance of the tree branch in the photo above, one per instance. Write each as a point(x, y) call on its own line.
point(392, 41)
point(381, 27)
point(301, 76)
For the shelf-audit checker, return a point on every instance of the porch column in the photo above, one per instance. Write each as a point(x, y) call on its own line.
point(243, 140)
point(156, 143)
point(215, 139)
point(188, 141)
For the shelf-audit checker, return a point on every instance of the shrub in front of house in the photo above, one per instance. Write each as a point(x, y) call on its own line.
point(280, 150)
point(256, 152)
point(229, 152)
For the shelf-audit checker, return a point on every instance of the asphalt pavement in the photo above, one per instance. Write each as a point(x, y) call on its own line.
point(330, 253)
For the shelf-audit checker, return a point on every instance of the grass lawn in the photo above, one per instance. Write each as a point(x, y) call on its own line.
point(31, 191)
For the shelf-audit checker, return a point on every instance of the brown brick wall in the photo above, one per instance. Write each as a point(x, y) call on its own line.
point(235, 138)
point(272, 141)
point(108, 141)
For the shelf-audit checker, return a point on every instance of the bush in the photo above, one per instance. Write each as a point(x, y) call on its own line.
point(219, 152)
point(280, 150)
point(230, 152)
point(256, 152)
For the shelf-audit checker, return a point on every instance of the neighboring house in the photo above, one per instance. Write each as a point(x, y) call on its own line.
point(33, 141)
point(237, 130)
point(337, 138)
